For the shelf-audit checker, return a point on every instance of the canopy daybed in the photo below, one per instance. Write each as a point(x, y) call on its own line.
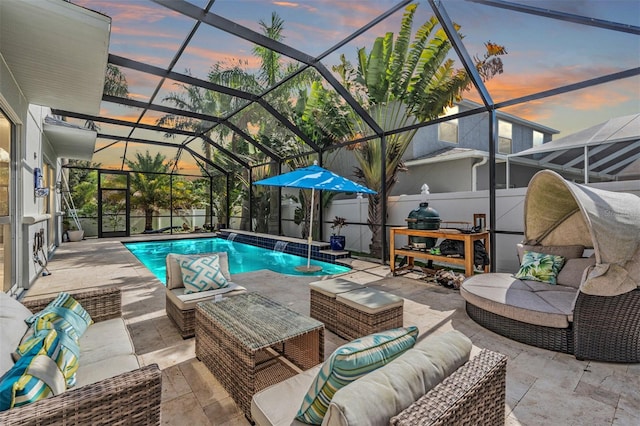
point(594, 310)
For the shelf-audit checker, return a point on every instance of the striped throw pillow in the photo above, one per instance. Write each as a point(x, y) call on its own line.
point(66, 307)
point(35, 376)
point(66, 356)
point(62, 320)
point(350, 362)
point(202, 273)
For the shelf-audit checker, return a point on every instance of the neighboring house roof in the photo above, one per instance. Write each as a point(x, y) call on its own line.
point(450, 154)
point(613, 150)
point(512, 118)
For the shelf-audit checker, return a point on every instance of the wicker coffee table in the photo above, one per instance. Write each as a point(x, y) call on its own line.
point(250, 342)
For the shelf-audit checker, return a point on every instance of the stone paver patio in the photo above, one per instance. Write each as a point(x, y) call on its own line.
point(543, 387)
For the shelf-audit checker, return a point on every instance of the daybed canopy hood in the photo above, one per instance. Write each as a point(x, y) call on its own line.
point(559, 212)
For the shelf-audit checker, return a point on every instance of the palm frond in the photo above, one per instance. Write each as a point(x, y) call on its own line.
point(398, 58)
point(413, 56)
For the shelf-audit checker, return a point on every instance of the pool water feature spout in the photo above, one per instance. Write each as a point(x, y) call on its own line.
point(280, 246)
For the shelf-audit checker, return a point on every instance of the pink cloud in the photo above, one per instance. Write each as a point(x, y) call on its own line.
point(139, 32)
point(511, 86)
point(129, 11)
point(307, 7)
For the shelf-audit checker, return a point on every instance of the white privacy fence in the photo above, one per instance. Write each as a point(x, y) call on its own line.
point(452, 207)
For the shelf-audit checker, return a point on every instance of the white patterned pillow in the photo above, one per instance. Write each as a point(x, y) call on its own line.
point(202, 274)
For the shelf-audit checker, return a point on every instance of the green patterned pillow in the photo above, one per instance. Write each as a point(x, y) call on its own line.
point(35, 376)
point(66, 357)
point(350, 362)
point(540, 267)
point(202, 274)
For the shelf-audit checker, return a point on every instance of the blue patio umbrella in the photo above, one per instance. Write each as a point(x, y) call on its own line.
point(314, 177)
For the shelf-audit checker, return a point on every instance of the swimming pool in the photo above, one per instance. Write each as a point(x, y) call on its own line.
point(242, 257)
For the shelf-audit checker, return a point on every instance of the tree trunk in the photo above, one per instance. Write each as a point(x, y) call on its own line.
point(374, 221)
point(274, 217)
point(148, 219)
point(244, 218)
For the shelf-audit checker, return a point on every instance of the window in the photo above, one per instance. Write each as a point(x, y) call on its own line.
point(504, 137)
point(6, 227)
point(538, 138)
point(448, 130)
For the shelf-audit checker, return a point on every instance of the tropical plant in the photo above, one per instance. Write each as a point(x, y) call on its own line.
point(402, 83)
point(150, 185)
point(153, 189)
point(338, 224)
point(326, 121)
point(230, 74)
point(115, 84)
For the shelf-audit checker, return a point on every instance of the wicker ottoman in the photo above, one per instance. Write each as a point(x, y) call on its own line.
point(365, 311)
point(323, 299)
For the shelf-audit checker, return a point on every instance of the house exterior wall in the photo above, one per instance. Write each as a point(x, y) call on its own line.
point(448, 176)
point(473, 132)
point(30, 150)
point(15, 106)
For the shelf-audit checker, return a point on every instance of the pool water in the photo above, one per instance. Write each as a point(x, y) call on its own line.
point(242, 257)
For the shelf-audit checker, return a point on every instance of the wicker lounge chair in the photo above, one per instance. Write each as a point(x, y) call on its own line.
point(129, 398)
point(181, 307)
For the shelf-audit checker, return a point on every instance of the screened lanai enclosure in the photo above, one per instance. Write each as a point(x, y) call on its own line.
point(203, 98)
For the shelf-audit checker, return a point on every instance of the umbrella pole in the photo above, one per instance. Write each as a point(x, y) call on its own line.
point(310, 231)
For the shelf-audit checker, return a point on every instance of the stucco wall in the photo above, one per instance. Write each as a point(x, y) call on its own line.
point(28, 152)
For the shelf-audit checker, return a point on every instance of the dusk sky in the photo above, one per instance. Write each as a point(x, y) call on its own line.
point(543, 53)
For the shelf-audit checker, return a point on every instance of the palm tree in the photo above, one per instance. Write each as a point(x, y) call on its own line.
point(402, 83)
point(326, 120)
point(150, 185)
point(115, 84)
point(216, 104)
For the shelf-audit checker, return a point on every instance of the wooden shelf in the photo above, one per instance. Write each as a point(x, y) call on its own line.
point(451, 234)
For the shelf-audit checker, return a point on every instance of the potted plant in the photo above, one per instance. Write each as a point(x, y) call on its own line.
point(338, 241)
point(75, 234)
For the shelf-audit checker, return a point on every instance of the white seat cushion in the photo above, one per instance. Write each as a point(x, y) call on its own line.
point(100, 370)
point(12, 316)
point(526, 301)
point(334, 286)
point(278, 405)
point(104, 339)
point(106, 350)
point(188, 301)
point(370, 300)
point(387, 391)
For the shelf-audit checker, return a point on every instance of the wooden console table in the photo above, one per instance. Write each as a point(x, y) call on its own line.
point(451, 234)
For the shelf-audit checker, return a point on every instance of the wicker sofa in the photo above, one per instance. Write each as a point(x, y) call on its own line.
point(434, 383)
point(181, 307)
point(112, 388)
